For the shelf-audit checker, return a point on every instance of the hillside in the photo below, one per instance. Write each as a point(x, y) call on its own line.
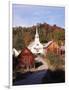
point(22, 36)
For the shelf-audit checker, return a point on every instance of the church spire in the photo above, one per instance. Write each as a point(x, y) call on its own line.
point(37, 47)
point(37, 32)
point(37, 35)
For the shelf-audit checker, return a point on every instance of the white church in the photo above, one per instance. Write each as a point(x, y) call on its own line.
point(36, 47)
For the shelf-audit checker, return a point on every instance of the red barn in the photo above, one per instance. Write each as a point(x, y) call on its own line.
point(26, 59)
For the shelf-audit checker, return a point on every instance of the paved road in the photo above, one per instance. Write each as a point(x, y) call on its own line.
point(32, 78)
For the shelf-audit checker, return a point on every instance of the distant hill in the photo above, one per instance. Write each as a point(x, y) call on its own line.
point(22, 36)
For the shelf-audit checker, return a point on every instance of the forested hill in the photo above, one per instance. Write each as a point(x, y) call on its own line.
point(22, 36)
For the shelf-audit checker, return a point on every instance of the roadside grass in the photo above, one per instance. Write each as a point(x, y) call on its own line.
point(55, 61)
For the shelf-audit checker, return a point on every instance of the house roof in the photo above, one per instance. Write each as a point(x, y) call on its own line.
point(15, 52)
point(47, 44)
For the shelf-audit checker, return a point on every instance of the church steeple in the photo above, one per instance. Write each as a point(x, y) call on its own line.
point(37, 35)
point(36, 47)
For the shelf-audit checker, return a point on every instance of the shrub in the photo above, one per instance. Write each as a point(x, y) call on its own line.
point(55, 61)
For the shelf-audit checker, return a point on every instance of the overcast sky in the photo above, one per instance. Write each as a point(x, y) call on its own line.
point(27, 15)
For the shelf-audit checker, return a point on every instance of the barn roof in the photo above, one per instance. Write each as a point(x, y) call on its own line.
point(25, 51)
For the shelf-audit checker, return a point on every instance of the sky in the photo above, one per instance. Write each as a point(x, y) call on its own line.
point(28, 15)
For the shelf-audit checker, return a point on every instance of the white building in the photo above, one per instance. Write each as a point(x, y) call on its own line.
point(36, 47)
point(15, 52)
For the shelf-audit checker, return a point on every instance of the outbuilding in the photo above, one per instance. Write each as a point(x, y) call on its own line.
point(26, 59)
